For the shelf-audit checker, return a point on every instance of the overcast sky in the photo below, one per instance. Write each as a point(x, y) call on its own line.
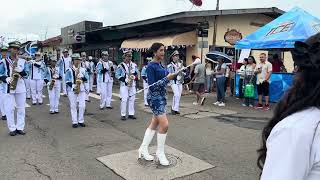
point(40, 19)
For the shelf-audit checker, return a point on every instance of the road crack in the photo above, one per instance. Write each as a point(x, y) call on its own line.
point(37, 169)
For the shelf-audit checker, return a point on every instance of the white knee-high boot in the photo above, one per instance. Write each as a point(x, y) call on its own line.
point(161, 156)
point(143, 150)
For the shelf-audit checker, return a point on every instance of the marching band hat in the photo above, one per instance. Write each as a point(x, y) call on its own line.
point(149, 58)
point(76, 56)
point(127, 52)
point(15, 44)
point(65, 50)
point(90, 58)
point(176, 52)
point(83, 54)
point(105, 53)
point(4, 48)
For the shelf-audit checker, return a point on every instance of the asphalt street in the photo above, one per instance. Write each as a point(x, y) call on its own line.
point(52, 149)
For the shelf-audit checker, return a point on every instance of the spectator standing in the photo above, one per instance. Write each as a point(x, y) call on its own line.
point(209, 76)
point(220, 72)
point(198, 82)
point(263, 70)
point(249, 78)
point(241, 72)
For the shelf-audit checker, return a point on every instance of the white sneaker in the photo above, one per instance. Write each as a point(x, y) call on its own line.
point(244, 105)
point(195, 103)
point(216, 103)
point(222, 104)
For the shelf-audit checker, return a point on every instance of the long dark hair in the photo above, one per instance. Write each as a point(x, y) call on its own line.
point(254, 60)
point(154, 48)
point(304, 93)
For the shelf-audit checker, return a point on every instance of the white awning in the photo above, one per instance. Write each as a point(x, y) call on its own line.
point(183, 39)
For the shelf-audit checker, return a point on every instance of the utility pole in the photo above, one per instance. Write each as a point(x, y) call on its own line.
point(214, 35)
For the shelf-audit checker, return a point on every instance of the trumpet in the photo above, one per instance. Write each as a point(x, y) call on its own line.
point(15, 76)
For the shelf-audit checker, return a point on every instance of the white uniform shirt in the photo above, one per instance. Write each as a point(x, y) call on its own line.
point(67, 62)
point(21, 87)
point(36, 72)
point(294, 148)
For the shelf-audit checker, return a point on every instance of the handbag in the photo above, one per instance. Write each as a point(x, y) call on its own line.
point(249, 89)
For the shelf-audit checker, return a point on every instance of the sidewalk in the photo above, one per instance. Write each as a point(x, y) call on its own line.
point(233, 105)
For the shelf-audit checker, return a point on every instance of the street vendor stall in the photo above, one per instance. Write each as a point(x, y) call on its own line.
point(281, 33)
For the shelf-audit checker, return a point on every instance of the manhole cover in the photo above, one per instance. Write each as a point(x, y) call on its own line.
point(173, 160)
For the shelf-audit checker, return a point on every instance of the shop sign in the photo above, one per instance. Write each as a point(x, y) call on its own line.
point(232, 36)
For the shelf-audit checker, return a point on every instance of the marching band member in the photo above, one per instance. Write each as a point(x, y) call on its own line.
point(91, 73)
point(105, 71)
point(157, 102)
point(64, 63)
point(145, 81)
point(176, 84)
point(11, 75)
point(36, 79)
point(27, 77)
point(85, 64)
point(4, 54)
point(127, 73)
point(53, 77)
point(98, 83)
point(75, 79)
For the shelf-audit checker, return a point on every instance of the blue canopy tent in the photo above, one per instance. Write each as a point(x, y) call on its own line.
point(281, 33)
point(294, 25)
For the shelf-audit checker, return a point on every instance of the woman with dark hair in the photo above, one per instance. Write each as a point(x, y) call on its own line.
point(249, 78)
point(290, 141)
point(157, 102)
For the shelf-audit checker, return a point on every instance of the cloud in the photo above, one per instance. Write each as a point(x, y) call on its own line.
point(39, 19)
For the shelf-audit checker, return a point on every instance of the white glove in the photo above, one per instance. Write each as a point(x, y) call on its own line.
point(48, 84)
point(79, 76)
point(8, 79)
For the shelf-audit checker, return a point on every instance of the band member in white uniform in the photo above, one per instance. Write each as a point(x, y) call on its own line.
point(36, 79)
point(75, 80)
point(11, 74)
point(91, 73)
point(145, 81)
point(105, 73)
point(27, 77)
point(98, 83)
point(64, 63)
point(86, 65)
point(4, 54)
point(176, 84)
point(53, 78)
point(127, 73)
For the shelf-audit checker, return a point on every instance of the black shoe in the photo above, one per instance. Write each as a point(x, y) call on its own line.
point(4, 118)
point(52, 112)
point(177, 112)
point(109, 107)
point(82, 124)
point(123, 118)
point(21, 132)
point(28, 98)
point(12, 133)
point(74, 125)
point(34, 104)
point(87, 100)
point(132, 117)
point(40, 103)
point(57, 112)
point(173, 112)
point(146, 105)
point(91, 91)
point(101, 108)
